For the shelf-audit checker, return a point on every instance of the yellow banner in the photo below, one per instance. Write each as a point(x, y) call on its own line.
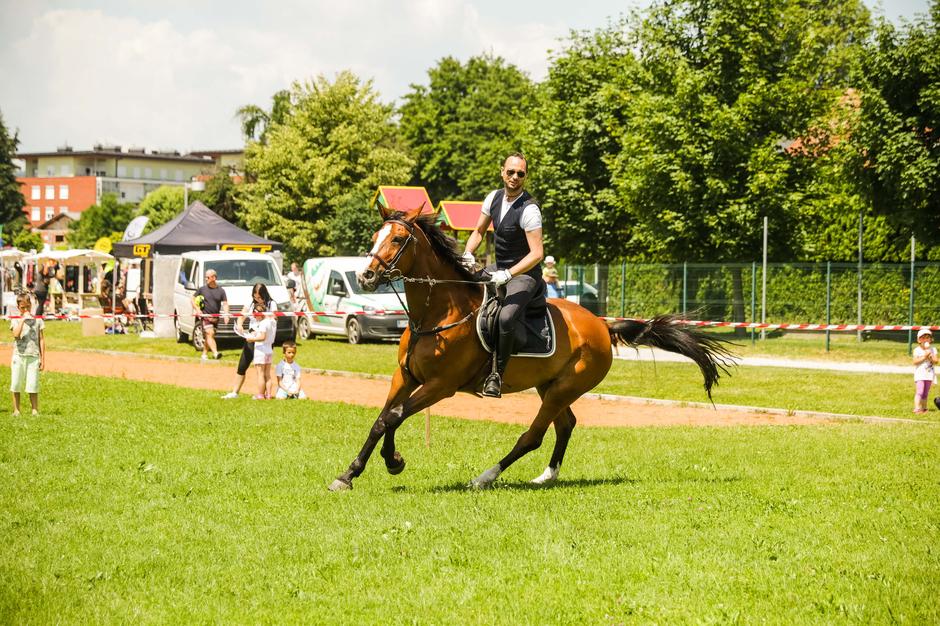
point(245, 247)
point(142, 250)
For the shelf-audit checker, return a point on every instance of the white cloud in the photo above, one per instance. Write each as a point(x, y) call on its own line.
point(172, 74)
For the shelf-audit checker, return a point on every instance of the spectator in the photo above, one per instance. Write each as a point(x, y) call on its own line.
point(260, 333)
point(295, 274)
point(550, 276)
point(47, 269)
point(288, 375)
point(925, 357)
point(209, 302)
point(29, 353)
point(260, 298)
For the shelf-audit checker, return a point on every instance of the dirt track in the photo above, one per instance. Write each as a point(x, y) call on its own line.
point(517, 409)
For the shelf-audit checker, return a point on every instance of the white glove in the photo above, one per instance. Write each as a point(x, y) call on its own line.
point(468, 260)
point(500, 277)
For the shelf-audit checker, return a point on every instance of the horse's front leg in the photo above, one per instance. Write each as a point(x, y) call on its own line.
point(428, 395)
point(402, 387)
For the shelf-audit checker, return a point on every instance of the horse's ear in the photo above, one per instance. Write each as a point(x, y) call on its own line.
point(413, 214)
point(385, 212)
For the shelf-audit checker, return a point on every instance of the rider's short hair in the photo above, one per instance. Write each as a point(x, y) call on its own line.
point(518, 155)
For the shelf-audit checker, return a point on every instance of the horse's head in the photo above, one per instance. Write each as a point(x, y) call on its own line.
point(393, 248)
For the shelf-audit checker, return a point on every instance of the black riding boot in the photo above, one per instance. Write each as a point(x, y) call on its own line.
point(493, 386)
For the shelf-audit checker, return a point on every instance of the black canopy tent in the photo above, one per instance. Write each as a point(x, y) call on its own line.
point(196, 228)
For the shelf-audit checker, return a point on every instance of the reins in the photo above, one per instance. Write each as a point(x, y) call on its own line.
point(391, 273)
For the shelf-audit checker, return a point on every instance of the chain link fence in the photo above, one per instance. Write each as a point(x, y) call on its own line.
point(830, 293)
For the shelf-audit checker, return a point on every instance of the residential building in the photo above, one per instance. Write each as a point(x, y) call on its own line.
point(69, 181)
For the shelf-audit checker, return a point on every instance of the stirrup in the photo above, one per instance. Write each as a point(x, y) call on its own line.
point(493, 386)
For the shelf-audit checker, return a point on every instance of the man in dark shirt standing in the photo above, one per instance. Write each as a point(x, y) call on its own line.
point(208, 302)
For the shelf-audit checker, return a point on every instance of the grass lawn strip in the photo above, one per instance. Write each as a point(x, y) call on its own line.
point(186, 509)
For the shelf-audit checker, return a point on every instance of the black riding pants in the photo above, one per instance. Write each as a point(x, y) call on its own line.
point(518, 292)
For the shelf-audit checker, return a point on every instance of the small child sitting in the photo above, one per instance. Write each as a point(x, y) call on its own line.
point(288, 375)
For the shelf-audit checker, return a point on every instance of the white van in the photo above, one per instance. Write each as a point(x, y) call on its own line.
point(237, 273)
point(330, 286)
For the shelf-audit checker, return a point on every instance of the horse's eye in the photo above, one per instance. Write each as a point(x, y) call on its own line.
point(398, 240)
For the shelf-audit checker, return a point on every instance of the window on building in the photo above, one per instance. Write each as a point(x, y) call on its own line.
point(50, 170)
point(179, 175)
point(63, 209)
point(122, 171)
point(50, 192)
point(50, 213)
point(59, 238)
point(136, 172)
point(148, 173)
point(66, 170)
point(63, 192)
point(37, 193)
point(163, 174)
point(34, 214)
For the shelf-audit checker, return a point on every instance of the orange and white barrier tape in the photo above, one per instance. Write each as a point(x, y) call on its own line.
point(700, 323)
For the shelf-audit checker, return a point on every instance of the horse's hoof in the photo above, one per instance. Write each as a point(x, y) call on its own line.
point(340, 485)
point(486, 479)
point(547, 477)
point(398, 468)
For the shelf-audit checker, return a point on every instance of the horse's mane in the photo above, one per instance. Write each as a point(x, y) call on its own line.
point(443, 245)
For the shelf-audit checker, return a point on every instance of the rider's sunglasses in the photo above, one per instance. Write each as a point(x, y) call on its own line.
point(518, 173)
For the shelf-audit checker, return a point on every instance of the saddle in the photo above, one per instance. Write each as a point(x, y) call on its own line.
point(535, 335)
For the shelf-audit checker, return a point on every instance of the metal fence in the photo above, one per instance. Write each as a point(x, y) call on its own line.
point(831, 293)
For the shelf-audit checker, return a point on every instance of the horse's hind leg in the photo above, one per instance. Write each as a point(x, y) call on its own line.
point(564, 424)
point(554, 401)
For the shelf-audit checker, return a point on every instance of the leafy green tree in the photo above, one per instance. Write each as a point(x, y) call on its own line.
point(220, 196)
point(574, 133)
point(19, 233)
point(352, 225)
point(898, 139)
point(338, 142)
point(464, 122)
point(11, 200)
point(107, 219)
point(255, 121)
point(161, 205)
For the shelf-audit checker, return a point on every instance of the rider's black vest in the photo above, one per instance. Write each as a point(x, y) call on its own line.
point(511, 244)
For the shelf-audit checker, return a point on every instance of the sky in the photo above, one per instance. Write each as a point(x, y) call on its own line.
point(172, 73)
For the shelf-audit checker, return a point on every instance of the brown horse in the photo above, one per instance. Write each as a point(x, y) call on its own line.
point(440, 353)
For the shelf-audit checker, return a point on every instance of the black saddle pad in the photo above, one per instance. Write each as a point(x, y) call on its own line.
point(535, 336)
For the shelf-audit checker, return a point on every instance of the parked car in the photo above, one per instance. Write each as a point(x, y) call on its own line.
point(584, 294)
point(237, 273)
point(337, 306)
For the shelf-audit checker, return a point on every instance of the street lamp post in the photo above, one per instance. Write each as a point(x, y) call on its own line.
point(195, 185)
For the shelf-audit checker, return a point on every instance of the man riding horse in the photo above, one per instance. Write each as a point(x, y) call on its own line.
point(517, 228)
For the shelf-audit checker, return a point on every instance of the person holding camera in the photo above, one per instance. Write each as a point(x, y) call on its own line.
point(925, 357)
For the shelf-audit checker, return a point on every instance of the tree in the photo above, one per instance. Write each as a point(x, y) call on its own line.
point(255, 121)
point(463, 124)
point(107, 219)
point(161, 205)
point(898, 139)
point(352, 226)
point(19, 233)
point(220, 196)
point(337, 143)
point(574, 137)
point(11, 200)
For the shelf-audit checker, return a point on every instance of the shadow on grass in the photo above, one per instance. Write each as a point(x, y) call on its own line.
point(582, 483)
point(579, 483)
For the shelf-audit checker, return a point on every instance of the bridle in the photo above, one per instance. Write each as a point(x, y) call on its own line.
point(391, 273)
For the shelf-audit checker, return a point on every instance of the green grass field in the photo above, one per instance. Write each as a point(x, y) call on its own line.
point(128, 502)
point(880, 395)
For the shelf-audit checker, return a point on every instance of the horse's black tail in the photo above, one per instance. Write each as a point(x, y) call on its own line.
point(709, 353)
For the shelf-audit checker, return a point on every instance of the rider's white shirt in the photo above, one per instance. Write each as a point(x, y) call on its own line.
point(531, 215)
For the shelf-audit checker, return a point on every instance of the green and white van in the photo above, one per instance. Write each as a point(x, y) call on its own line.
point(337, 306)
